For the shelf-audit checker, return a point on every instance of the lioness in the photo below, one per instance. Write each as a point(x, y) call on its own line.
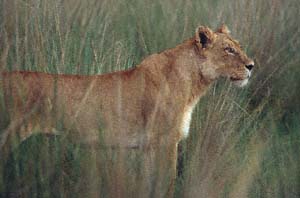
point(147, 107)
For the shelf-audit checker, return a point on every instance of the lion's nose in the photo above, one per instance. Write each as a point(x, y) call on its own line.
point(249, 66)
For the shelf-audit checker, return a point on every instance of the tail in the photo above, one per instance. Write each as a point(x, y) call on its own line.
point(6, 138)
point(4, 53)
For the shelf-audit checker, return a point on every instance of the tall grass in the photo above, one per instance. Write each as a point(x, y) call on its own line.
point(243, 142)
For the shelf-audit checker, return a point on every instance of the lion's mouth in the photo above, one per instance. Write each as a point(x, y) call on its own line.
point(236, 79)
point(240, 82)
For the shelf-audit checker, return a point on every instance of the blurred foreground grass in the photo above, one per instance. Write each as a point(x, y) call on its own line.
point(243, 142)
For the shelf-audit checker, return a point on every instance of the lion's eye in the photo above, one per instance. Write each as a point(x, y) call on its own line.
point(230, 50)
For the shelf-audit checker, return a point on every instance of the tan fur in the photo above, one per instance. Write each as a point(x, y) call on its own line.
point(144, 107)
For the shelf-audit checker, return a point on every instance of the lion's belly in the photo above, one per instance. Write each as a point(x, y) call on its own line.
point(93, 130)
point(106, 125)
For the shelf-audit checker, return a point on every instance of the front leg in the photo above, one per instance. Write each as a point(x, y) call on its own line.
point(159, 171)
point(172, 169)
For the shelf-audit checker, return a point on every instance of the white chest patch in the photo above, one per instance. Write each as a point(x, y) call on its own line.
point(186, 120)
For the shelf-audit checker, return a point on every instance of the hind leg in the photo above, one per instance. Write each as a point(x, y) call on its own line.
point(21, 127)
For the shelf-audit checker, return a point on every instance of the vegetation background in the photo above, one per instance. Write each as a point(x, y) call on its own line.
point(243, 142)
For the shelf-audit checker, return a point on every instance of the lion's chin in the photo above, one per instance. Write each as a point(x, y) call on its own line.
point(240, 83)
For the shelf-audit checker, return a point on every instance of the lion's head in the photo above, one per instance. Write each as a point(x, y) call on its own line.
point(224, 56)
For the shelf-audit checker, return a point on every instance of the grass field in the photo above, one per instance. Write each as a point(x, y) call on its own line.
point(243, 142)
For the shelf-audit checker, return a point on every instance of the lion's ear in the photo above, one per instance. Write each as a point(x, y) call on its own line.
point(223, 29)
point(204, 36)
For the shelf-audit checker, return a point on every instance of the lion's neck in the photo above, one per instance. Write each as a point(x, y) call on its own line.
point(188, 66)
point(188, 69)
point(175, 79)
point(181, 67)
